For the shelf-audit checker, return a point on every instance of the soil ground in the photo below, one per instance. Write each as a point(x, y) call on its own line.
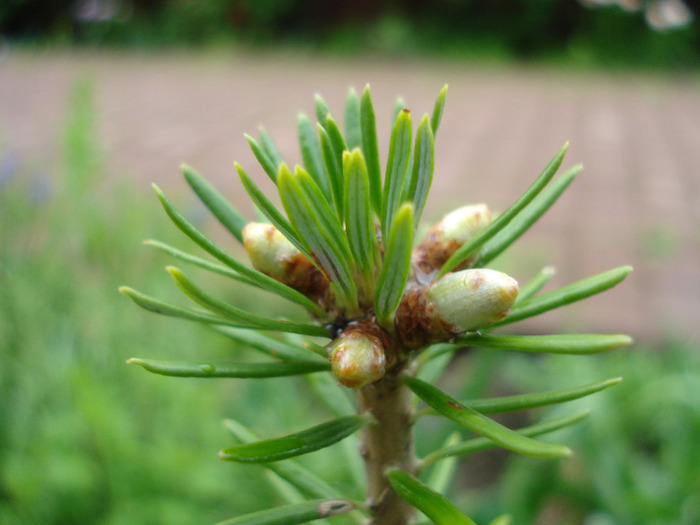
point(637, 201)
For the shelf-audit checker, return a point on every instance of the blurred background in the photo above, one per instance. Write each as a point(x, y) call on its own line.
point(99, 98)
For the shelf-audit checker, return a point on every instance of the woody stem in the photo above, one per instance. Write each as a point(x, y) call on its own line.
point(389, 442)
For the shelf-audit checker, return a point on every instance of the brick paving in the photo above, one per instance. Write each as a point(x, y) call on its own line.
point(637, 201)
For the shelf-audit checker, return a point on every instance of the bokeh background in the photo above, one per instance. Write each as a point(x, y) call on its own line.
point(99, 98)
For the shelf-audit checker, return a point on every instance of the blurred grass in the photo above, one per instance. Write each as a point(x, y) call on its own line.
point(635, 457)
point(84, 438)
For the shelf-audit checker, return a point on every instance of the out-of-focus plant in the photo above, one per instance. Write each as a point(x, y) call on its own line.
point(636, 460)
point(78, 443)
point(385, 313)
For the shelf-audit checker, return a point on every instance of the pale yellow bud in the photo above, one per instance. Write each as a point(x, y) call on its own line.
point(273, 254)
point(463, 223)
point(471, 299)
point(357, 358)
point(446, 237)
point(268, 249)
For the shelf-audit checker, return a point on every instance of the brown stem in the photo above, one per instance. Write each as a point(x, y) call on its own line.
point(387, 443)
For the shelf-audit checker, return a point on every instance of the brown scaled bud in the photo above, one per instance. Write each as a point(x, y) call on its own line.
point(444, 238)
point(459, 302)
point(358, 356)
point(273, 254)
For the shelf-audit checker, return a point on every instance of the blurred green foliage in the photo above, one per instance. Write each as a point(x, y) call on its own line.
point(84, 438)
point(503, 29)
point(638, 458)
point(635, 458)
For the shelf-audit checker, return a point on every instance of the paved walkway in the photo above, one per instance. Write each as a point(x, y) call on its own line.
point(637, 202)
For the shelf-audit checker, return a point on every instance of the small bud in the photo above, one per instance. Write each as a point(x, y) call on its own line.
point(463, 223)
point(459, 302)
point(268, 249)
point(357, 357)
point(444, 238)
point(273, 254)
point(472, 299)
